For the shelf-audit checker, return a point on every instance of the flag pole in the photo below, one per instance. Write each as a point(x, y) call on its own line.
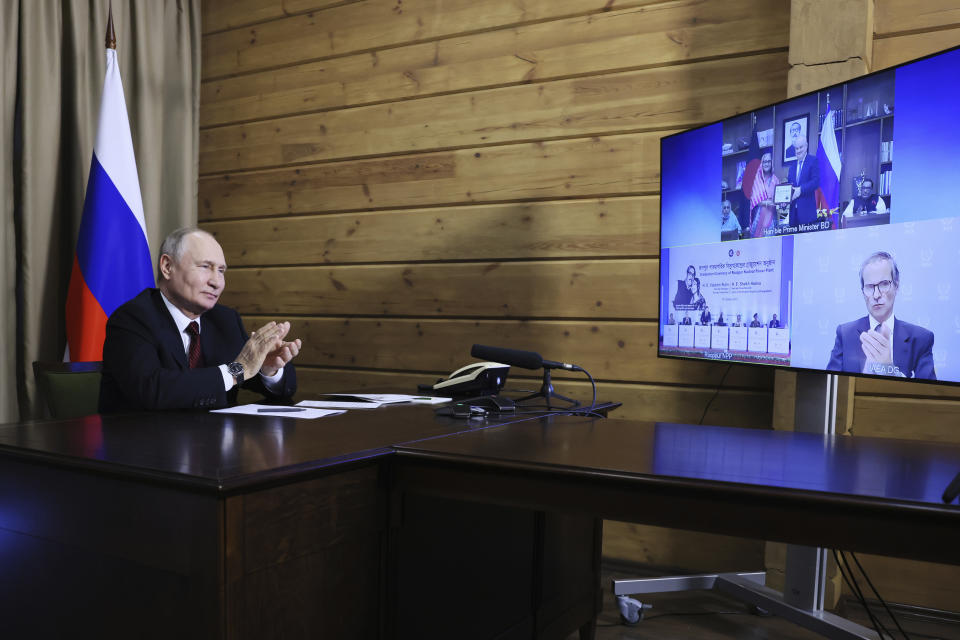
point(112, 261)
point(111, 37)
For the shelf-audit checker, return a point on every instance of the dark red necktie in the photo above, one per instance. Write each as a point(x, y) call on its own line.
point(195, 356)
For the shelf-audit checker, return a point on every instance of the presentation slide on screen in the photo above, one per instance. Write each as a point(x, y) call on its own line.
point(727, 300)
point(831, 308)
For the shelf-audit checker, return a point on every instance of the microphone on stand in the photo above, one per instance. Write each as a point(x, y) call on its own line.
point(529, 360)
point(518, 358)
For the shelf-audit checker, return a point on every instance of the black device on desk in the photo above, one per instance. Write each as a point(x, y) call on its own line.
point(476, 379)
point(478, 407)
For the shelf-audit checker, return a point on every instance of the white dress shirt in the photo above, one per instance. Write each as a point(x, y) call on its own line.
point(182, 321)
point(889, 324)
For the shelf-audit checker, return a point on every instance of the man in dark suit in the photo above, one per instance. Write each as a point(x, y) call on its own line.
point(795, 133)
point(685, 288)
point(878, 343)
point(774, 323)
point(804, 175)
point(174, 347)
point(706, 317)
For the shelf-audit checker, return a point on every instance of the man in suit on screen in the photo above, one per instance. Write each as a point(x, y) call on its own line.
point(174, 347)
point(684, 293)
point(795, 132)
point(804, 175)
point(879, 343)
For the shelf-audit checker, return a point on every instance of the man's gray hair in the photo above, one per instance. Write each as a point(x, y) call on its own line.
point(876, 257)
point(173, 245)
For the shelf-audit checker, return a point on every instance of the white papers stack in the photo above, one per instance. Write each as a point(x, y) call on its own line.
point(279, 412)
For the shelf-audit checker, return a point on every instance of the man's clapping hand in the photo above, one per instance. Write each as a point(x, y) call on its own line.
point(284, 353)
point(266, 351)
point(876, 347)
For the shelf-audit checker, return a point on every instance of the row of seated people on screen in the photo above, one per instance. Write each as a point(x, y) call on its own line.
point(765, 215)
point(706, 318)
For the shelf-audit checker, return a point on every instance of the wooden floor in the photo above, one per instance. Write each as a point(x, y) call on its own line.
point(709, 615)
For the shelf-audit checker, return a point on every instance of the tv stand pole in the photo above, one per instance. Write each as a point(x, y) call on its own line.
point(806, 567)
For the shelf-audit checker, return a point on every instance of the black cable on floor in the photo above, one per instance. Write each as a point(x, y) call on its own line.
point(857, 593)
point(876, 593)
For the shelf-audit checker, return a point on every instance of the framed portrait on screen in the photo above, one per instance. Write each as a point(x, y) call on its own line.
point(792, 128)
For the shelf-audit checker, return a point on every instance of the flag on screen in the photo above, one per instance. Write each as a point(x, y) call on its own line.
point(750, 180)
point(112, 261)
point(828, 159)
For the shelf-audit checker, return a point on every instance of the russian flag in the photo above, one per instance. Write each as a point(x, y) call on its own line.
point(828, 159)
point(112, 263)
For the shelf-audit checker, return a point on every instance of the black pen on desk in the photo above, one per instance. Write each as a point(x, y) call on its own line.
point(280, 409)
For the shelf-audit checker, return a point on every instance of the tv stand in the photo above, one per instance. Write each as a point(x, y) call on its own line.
point(806, 567)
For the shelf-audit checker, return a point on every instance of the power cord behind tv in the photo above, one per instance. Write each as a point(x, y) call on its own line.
point(715, 393)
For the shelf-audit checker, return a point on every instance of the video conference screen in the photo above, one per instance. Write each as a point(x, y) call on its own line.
point(822, 232)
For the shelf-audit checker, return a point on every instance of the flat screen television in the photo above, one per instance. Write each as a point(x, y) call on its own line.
point(785, 242)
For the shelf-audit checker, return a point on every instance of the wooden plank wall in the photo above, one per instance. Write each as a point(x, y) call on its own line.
point(404, 178)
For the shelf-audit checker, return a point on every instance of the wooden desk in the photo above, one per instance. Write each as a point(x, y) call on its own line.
point(393, 523)
point(874, 495)
point(868, 220)
point(199, 525)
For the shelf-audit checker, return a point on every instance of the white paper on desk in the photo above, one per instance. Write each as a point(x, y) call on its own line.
point(395, 398)
point(369, 400)
point(254, 410)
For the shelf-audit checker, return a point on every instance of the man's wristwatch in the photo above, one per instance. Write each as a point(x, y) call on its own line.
point(236, 370)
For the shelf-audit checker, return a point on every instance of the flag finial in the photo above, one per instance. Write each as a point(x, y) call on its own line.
point(111, 38)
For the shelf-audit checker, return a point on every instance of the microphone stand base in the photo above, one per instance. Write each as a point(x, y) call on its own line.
point(546, 392)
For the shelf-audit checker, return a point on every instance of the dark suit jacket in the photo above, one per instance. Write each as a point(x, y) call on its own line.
point(145, 367)
point(684, 295)
point(803, 210)
point(912, 351)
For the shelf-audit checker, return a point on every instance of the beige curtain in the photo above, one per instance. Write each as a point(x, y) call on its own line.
point(8, 248)
point(58, 58)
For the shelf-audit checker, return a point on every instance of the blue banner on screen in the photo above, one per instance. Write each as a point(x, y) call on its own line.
point(691, 170)
point(928, 137)
point(785, 242)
